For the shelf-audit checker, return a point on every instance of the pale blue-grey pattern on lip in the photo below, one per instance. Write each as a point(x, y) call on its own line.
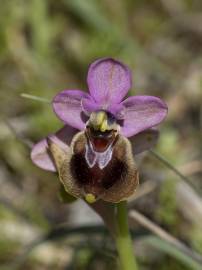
point(41, 157)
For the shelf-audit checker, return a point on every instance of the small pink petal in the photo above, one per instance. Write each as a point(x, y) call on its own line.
point(41, 157)
point(40, 154)
point(141, 113)
point(67, 106)
point(144, 141)
point(90, 106)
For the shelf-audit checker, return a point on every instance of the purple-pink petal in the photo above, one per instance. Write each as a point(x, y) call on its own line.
point(141, 113)
point(40, 154)
point(108, 81)
point(144, 141)
point(89, 106)
point(67, 106)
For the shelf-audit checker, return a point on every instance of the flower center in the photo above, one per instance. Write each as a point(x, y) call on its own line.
point(102, 130)
point(102, 121)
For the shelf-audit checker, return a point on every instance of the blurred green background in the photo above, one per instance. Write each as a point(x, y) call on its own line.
point(45, 47)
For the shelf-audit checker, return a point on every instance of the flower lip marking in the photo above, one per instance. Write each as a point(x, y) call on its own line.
point(101, 140)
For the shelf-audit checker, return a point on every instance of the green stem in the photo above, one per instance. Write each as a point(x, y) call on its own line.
point(123, 239)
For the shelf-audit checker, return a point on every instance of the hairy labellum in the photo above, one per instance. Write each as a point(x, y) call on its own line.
point(98, 164)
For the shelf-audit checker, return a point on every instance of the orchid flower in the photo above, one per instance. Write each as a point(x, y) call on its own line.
point(92, 153)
